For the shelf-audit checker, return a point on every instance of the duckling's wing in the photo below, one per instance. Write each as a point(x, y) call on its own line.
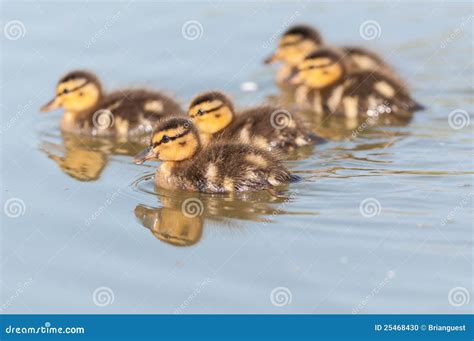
point(377, 91)
point(136, 111)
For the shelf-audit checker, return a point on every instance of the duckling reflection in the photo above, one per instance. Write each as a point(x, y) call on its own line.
point(171, 225)
point(83, 157)
point(181, 220)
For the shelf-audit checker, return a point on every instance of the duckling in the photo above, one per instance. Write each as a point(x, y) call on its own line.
point(329, 88)
point(216, 168)
point(300, 40)
point(88, 110)
point(266, 127)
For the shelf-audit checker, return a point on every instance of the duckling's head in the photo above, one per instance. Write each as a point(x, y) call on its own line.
point(211, 112)
point(77, 91)
point(321, 69)
point(296, 43)
point(175, 139)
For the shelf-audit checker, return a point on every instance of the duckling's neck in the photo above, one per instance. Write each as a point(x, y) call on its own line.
point(167, 167)
point(68, 121)
point(205, 138)
point(73, 120)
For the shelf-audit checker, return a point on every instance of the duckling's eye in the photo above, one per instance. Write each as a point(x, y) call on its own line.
point(81, 93)
point(201, 112)
point(65, 91)
point(165, 139)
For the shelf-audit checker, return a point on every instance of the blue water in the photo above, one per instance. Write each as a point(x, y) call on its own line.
point(78, 246)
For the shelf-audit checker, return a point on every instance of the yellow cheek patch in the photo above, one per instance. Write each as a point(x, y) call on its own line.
point(214, 121)
point(177, 150)
point(319, 73)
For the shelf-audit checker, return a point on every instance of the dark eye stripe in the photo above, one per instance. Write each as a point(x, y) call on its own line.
point(73, 89)
point(171, 138)
point(317, 66)
point(204, 112)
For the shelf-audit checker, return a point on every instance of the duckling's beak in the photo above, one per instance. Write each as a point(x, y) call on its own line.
point(55, 103)
point(271, 59)
point(145, 155)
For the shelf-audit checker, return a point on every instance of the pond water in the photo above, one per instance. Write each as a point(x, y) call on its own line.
point(381, 223)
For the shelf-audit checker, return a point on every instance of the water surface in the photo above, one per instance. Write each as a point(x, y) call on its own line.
point(90, 219)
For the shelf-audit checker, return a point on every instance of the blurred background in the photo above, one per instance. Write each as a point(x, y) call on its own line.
point(382, 222)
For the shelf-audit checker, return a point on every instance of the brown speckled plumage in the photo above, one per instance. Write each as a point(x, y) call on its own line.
point(365, 90)
point(233, 171)
point(130, 106)
point(266, 127)
point(264, 130)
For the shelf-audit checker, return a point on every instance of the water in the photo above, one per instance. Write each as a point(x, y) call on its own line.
point(91, 219)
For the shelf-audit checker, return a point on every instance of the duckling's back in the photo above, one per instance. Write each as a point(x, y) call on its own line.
point(221, 168)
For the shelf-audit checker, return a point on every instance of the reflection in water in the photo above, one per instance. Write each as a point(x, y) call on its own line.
point(181, 220)
point(85, 157)
point(170, 225)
